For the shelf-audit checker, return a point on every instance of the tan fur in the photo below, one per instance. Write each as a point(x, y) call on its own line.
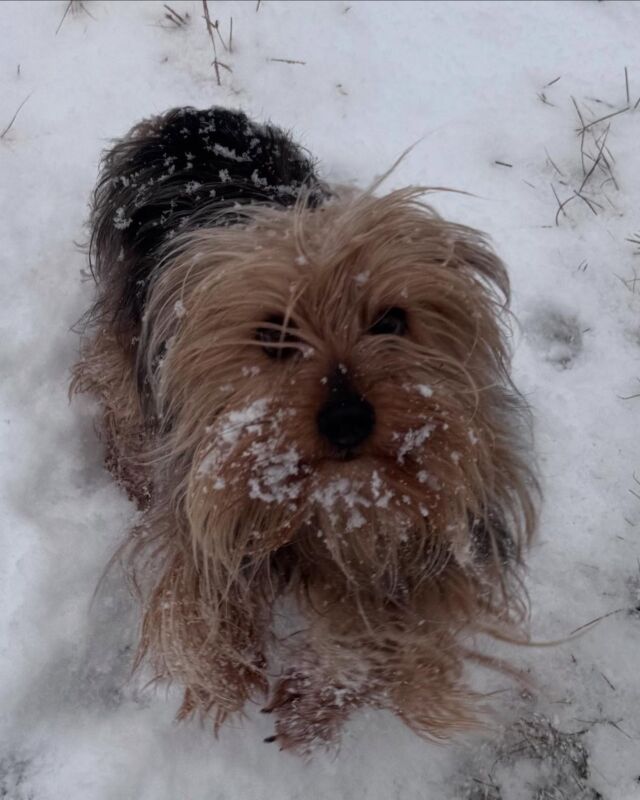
point(106, 370)
point(247, 504)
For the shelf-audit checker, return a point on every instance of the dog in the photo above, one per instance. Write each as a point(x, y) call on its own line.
point(306, 391)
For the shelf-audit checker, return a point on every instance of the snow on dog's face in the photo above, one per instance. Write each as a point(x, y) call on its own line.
point(333, 393)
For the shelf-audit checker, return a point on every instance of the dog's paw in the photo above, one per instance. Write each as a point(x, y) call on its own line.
point(308, 717)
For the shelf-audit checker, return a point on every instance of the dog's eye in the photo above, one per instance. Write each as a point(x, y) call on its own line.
point(275, 336)
point(391, 322)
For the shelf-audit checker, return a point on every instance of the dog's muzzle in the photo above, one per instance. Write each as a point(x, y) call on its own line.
point(347, 419)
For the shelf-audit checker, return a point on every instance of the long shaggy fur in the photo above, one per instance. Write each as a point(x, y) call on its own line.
point(395, 558)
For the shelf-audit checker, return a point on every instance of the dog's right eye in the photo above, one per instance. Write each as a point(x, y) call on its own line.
point(390, 322)
point(275, 336)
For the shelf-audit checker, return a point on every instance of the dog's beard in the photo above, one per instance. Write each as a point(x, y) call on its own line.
point(264, 500)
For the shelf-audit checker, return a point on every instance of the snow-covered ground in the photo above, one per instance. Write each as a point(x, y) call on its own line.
point(494, 91)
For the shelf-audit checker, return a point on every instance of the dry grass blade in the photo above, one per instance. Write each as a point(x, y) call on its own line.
point(543, 97)
point(607, 681)
point(626, 85)
point(604, 164)
point(603, 142)
point(553, 163)
point(64, 16)
point(287, 61)
point(177, 19)
point(561, 204)
point(591, 204)
point(13, 118)
point(555, 80)
point(635, 239)
point(629, 283)
point(503, 163)
point(73, 6)
point(216, 27)
point(606, 116)
point(210, 30)
point(600, 102)
point(577, 108)
point(582, 133)
point(595, 621)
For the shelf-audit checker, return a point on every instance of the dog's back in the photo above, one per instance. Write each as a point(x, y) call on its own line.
point(178, 171)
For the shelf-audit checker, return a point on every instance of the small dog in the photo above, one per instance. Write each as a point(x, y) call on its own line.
point(306, 391)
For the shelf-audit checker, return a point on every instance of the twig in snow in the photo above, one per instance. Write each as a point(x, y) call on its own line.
point(216, 27)
point(210, 30)
point(503, 163)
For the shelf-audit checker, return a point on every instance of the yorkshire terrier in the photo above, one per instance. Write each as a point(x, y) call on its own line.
point(306, 390)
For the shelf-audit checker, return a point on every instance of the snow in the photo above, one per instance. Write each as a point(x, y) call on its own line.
point(424, 390)
point(413, 439)
point(347, 493)
point(474, 84)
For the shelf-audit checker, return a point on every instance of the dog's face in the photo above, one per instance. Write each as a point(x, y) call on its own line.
point(333, 390)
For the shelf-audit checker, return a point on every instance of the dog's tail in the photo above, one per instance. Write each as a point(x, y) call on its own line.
point(181, 170)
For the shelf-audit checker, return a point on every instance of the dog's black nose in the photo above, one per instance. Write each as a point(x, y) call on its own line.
point(346, 420)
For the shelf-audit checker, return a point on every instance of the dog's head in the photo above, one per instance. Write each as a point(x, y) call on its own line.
point(332, 386)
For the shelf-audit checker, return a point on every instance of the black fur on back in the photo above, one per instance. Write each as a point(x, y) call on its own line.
point(181, 170)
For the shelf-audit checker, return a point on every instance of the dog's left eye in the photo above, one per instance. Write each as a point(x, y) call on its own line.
point(274, 336)
point(390, 322)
